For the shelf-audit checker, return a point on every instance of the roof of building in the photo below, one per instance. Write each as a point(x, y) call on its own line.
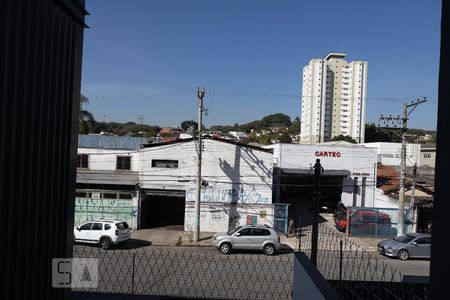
point(311, 172)
point(107, 177)
point(209, 137)
point(109, 142)
point(334, 54)
point(341, 144)
point(428, 146)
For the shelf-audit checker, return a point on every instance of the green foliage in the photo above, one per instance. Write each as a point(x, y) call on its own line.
point(375, 134)
point(284, 138)
point(346, 138)
point(295, 127)
point(224, 129)
point(189, 123)
point(265, 139)
point(129, 128)
point(277, 119)
point(86, 118)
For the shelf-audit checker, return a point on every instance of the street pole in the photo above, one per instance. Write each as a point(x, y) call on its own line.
point(396, 123)
point(200, 95)
point(318, 170)
point(412, 209)
point(401, 204)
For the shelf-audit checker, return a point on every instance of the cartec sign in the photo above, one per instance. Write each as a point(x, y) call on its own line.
point(328, 153)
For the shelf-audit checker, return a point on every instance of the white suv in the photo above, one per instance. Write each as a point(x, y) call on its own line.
point(104, 232)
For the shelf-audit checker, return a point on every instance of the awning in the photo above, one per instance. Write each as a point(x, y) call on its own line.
point(107, 177)
point(165, 193)
point(343, 173)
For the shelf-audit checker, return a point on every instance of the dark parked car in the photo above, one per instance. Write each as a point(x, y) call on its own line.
point(407, 246)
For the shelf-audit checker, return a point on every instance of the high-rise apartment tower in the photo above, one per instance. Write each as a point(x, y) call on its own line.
point(333, 99)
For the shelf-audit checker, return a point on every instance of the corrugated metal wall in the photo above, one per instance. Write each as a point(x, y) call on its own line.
point(40, 65)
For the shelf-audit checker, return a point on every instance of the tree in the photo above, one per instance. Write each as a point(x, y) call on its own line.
point(284, 138)
point(374, 134)
point(346, 138)
point(188, 123)
point(86, 118)
point(277, 119)
point(295, 126)
point(265, 139)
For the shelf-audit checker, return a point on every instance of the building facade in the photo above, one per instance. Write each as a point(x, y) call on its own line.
point(236, 185)
point(333, 99)
point(349, 175)
point(107, 178)
point(428, 155)
point(389, 154)
point(154, 185)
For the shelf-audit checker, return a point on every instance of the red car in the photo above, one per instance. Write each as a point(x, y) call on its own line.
point(362, 220)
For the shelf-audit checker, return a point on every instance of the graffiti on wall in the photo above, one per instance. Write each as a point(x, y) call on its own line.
point(227, 195)
point(87, 209)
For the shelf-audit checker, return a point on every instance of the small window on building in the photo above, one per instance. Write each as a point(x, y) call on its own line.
point(125, 196)
point(109, 196)
point(426, 155)
point(123, 163)
point(164, 163)
point(82, 161)
point(80, 194)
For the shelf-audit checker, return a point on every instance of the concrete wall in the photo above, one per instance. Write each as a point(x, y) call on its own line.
point(224, 217)
point(87, 209)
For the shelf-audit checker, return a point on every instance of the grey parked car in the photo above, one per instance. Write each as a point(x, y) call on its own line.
point(407, 246)
point(248, 237)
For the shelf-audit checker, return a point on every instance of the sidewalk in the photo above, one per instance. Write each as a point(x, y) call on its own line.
point(171, 237)
point(177, 237)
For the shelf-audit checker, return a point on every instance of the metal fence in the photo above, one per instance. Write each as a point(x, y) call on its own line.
point(354, 272)
point(363, 221)
point(191, 273)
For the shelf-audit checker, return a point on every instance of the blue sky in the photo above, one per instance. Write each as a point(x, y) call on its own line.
point(148, 57)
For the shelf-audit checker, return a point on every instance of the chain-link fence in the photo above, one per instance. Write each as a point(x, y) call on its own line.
point(206, 273)
point(191, 273)
point(354, 272)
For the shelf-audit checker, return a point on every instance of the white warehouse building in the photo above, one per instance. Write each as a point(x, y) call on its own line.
point(154, 185)
point(236, 185)
point(350, 174)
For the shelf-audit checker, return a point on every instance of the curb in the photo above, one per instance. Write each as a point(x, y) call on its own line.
point(183, 245)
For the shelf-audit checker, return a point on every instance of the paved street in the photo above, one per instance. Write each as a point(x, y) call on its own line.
point(192, 272)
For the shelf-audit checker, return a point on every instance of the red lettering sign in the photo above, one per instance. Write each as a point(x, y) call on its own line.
point(328, 153)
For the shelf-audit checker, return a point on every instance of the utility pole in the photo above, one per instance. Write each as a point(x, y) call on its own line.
point(141, 118)
point(318, 171)
point(200, 95)
point(413, 191)
point(395, 123)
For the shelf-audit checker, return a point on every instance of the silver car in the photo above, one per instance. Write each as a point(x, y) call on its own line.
point(248, 237)
point(407, 246)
